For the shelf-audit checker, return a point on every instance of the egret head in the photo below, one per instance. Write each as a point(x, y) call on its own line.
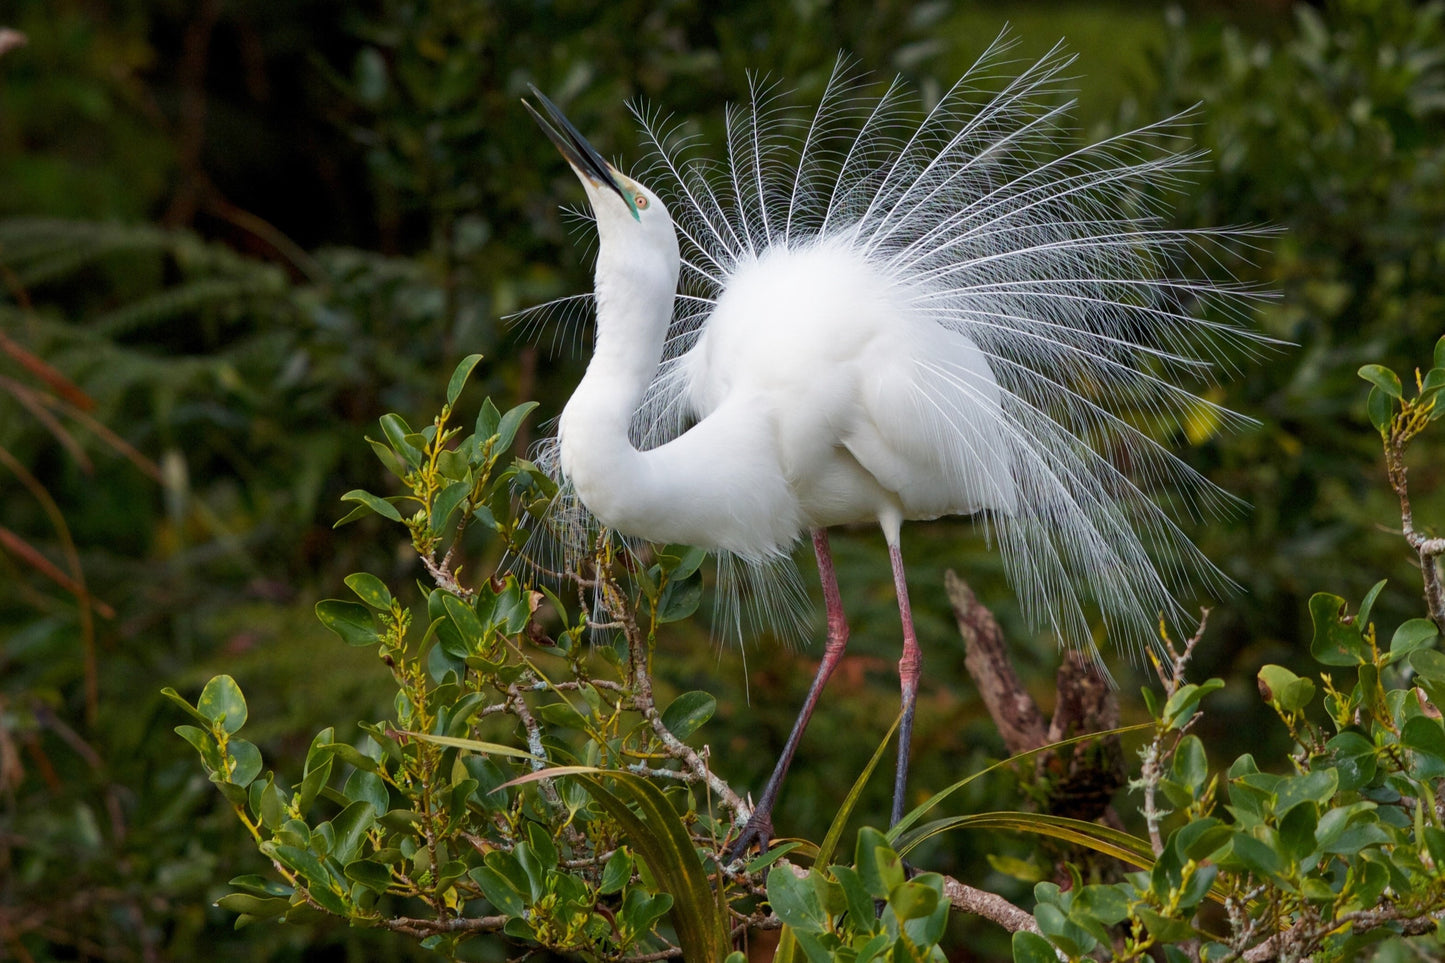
point(626, 211)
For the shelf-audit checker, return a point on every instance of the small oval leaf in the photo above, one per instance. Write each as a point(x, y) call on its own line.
point(370, 589)
point(688, 712)
point(377, 504)
point(349, 620)
point(222, 704)
point(459, 377)
point(1382, 378)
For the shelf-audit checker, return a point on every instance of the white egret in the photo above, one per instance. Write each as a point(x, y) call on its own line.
point(892, 314)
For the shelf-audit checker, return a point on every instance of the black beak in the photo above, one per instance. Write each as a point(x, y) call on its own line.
point(574, 147)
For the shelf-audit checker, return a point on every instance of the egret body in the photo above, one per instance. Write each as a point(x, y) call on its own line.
point(885, 318)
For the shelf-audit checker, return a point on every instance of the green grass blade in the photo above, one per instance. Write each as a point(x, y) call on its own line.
point(475, 745)
point(656, 832)
point(840, 820)
point(911, 819)
point(1101, 839)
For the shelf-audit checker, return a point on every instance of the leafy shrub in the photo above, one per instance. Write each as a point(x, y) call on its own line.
point(588, 825)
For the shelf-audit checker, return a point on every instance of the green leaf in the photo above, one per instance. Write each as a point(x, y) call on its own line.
point(904, 827)
point(352, 756)
point(272, 809)
point(616, 873)
point(180, 700)
point(370, 589)
point(1191, 765)
point(509, 423)
point(855, 897)
point(1108, 904)
point(795, 901)
point(680, 561)
point(1199, 839)
point(1440, 353)
point(260, 886)
point(687, 713)
point(245, 762)
point(1016, 868)
point(1381, 410)
point(1431, 385)
point(1180, 707)
point(476, 745)
point(1247, 853)
point(222, 704)
point(351, 826)
point(641, 910)
point(1435, 844)
point(262, 907)
point(446, 504)
point(1367, 605)
point(487, 420)
point(562, 714)
point(878, 864)
point(1429, 663)
point(1032, 948)
point(1425, 736)
point(397, 434)
point(679, 599)
point(312, 784)
point(1337, 638)
point(468, 625)
point(1412, 635)
point(350, 620)
point(374, 876)
point(1283, 689)
point(459, 377)
point(1383, 378)
point(304, 862)
point(389, 460)
point(1165, 928)
point(204, 743)
point(499, 891)
point(366, 499)
point(912, 901)
point(1316, 786)
point(1354, 759)
point(648, 820)
point(1297, 832)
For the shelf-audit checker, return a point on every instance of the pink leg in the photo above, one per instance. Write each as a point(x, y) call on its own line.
point(909, 667)
point(759, 828)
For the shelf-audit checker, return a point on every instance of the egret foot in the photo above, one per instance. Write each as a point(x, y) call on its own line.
point(758, 829)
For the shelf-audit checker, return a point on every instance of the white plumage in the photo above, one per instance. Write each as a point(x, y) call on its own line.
point(888, 314)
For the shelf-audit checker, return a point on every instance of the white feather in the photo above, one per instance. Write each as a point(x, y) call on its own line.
point(889, 314)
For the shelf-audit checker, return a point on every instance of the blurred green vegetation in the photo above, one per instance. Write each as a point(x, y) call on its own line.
point(232, 235)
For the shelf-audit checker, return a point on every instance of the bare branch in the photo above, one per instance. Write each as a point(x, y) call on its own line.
point(1013, 710)
point(990, 906)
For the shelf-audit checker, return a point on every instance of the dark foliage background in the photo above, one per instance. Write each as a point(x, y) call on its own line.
point(233, 234)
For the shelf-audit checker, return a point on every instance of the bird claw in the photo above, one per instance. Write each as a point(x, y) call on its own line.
point(758, 829)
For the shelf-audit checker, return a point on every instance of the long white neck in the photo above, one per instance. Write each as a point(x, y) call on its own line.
point(634, 306)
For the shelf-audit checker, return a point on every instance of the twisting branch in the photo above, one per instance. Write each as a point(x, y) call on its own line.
point(1010, 706)
point(622, 618)
point(1404, 428)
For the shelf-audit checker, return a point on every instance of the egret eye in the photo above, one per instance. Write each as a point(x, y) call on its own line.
point(641, 201)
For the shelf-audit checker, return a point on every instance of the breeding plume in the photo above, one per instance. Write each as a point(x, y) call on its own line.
point(875, 312)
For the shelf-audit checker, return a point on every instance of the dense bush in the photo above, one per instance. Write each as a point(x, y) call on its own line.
point(589, 822)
